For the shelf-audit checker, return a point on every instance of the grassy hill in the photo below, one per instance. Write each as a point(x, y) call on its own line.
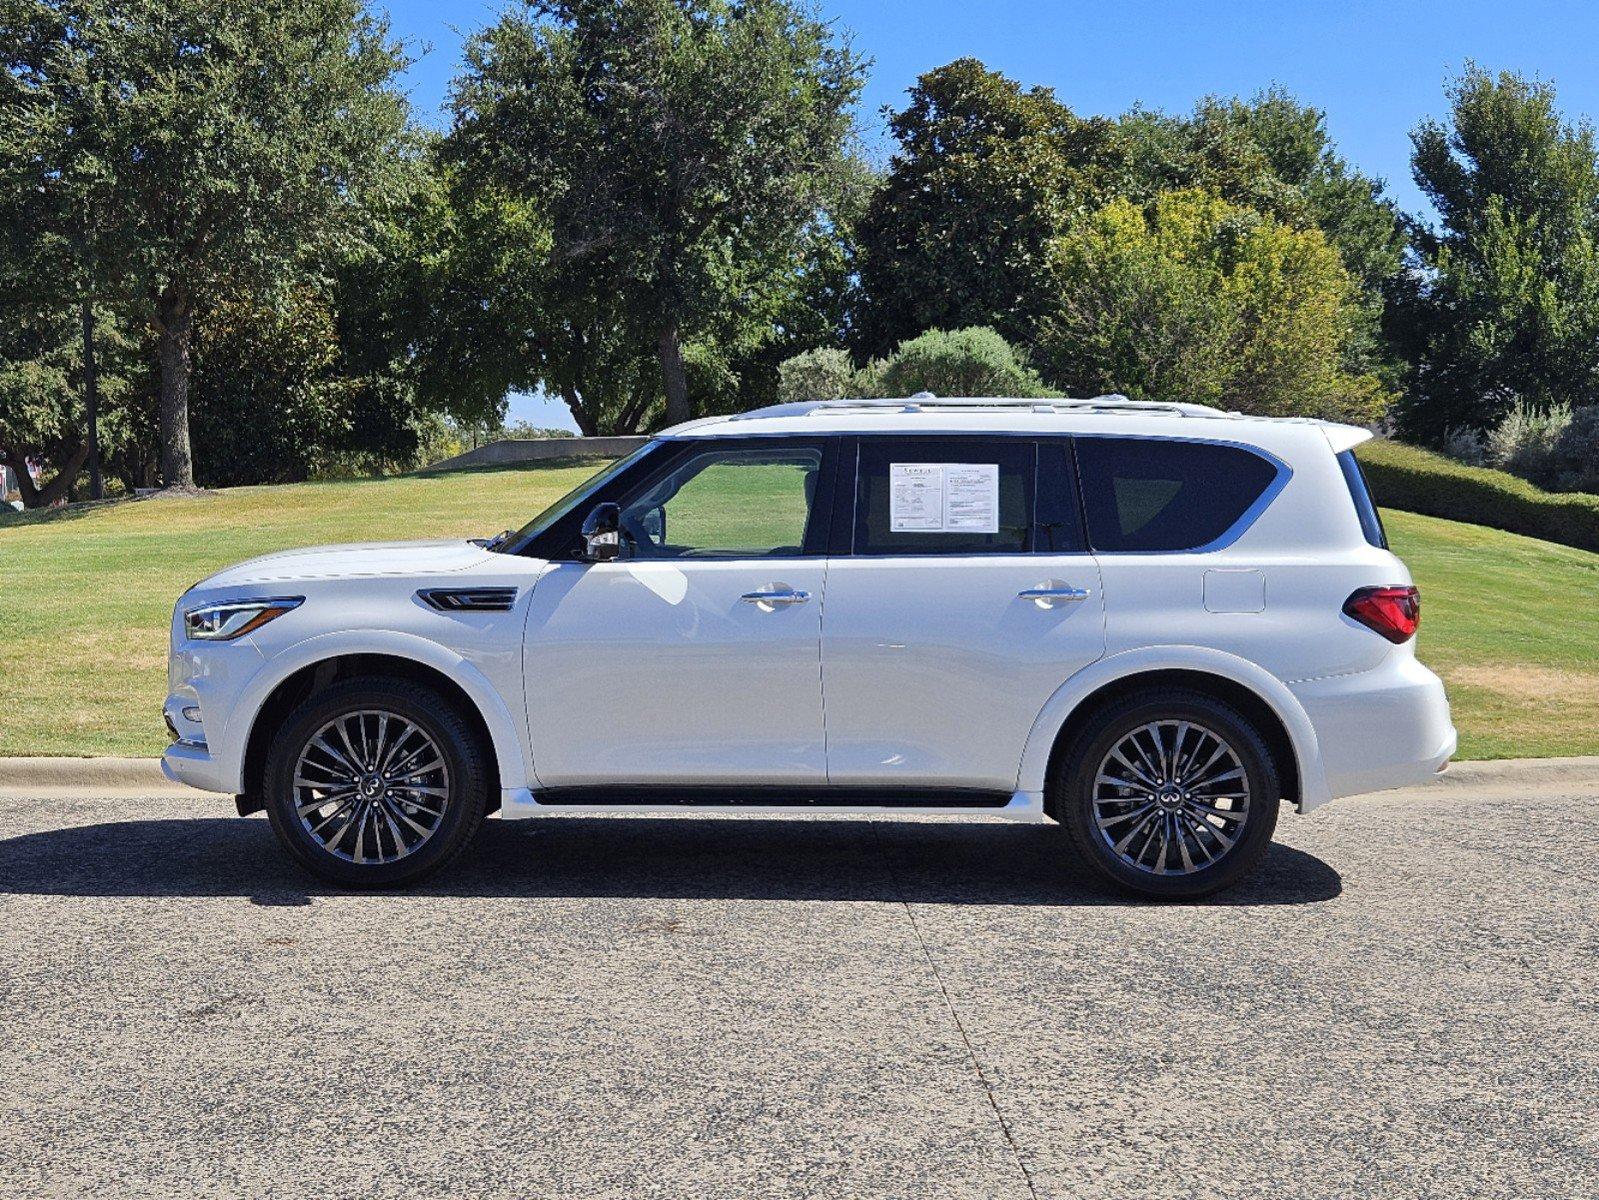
point(1510, 622)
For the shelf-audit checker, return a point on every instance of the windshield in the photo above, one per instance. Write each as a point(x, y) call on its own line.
point(575, 497)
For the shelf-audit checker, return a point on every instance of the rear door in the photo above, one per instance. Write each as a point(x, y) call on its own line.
point(965, 599)
point(693, 658)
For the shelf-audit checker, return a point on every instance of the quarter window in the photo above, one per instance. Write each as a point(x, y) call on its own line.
point(944, 496)
point(1365, 508)
point(725, 503)
point(1150, 494)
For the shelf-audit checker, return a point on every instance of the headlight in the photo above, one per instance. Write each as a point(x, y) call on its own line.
point(233, 619)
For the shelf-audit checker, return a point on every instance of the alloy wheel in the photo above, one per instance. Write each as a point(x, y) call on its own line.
point(1171, 798)
point(371, 787)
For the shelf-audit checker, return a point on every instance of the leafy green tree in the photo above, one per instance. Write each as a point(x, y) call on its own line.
point(38, 413)
point(1505, 305)
point(275, 399)
point(986, 175)
point(477, 302)
point(233, 142)
point(1195, 299)
point(1273, 154)
point(677, 151)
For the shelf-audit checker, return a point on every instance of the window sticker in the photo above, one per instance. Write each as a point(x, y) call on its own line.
point(971, 497)
point(943, 497)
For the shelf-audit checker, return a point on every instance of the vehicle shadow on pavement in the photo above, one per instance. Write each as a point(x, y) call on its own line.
point(917, 862)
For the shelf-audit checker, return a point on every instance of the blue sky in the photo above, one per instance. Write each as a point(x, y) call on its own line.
point(1375, 68)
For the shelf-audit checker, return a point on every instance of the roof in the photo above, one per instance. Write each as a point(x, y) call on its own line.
point(925, 413)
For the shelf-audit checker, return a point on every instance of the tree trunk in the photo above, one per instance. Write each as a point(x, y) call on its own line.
point(91, 400)
point(670, 349)
point(175, 323)
point(44, 497)
point(584, 419)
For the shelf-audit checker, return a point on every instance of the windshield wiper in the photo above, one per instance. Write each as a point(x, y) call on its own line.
point(495, 542)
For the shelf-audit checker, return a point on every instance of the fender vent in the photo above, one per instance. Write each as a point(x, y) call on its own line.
point(484, 599)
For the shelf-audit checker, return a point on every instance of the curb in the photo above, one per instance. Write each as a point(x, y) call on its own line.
point(90, 776)
point(142, 776)
point(1527, 772)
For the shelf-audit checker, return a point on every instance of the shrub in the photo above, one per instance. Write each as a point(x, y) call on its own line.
point(1574, 463)
point(961, 362)
point(1467, 446)
point(1416, 480)
point(1523, 443)
point(822, 374)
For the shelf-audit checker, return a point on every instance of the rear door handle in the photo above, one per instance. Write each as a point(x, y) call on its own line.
point(771, 597)
point(1046, 595)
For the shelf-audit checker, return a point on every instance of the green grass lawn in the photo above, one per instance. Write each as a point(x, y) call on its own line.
point(1511, 623)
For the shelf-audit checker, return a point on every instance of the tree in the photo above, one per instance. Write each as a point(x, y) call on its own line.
point(680, 151)
point(487, 311)
point(1195, 299)
point(234, 143)
point(985, 176)
point(1505, 304)
point(1273, 154)
point(1270, 153)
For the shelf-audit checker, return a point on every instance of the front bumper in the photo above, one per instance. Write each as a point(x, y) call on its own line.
point(191, 763)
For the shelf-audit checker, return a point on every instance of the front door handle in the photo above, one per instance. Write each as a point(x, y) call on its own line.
point(775, 595)
point(1046, 595)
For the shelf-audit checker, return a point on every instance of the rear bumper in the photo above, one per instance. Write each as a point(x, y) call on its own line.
point(1379, 729)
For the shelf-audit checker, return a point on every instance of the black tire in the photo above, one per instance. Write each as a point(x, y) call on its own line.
point(1073, 790)
point(460, 747)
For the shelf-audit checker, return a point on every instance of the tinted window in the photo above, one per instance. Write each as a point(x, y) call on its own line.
point(944, 496)
point(725, 503)
point(1058, 525)
point(1365, 508)
point(1150, 494)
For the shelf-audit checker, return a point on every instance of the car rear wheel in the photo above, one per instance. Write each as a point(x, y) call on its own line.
point(376, 782)
point(1168, 794)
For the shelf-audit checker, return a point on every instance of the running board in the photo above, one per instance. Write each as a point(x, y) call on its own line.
point(827, 800)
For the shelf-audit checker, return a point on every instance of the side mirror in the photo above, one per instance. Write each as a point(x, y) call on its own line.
point(602, 533)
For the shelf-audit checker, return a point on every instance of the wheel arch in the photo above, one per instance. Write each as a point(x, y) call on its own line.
point(1259, 696)
point(311, 668)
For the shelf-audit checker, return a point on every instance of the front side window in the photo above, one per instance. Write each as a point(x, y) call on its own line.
point(568, 504)
point(1151, 494)
point(725, 502)
point(944, 496)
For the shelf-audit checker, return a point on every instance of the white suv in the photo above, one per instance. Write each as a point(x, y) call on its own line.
point(1151, 623)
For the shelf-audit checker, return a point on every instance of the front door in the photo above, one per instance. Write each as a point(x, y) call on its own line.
point(692, 659)
point(967, 601)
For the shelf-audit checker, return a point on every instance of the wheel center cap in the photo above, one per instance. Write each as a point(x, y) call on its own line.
point(372, 787)
point(1169, 798)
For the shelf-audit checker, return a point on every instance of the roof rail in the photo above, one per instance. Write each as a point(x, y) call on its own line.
point(926, 402)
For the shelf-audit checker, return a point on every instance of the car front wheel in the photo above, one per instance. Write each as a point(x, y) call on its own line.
point(376, 782)
point(1168, 794)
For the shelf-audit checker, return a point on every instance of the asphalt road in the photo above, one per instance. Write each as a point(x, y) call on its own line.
point(1403, 1003)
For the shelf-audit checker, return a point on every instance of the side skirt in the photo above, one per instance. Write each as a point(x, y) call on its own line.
point(822, 800)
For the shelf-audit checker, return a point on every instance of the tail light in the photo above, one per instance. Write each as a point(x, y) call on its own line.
point(1393, 612)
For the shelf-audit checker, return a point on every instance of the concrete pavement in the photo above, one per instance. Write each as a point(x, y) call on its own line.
point(1402, 1003)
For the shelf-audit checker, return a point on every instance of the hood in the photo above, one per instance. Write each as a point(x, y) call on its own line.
point(359, 559)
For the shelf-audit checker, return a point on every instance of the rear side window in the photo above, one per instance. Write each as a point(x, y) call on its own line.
point(1365, 507)
point(1149, 494)
point(944, 496)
